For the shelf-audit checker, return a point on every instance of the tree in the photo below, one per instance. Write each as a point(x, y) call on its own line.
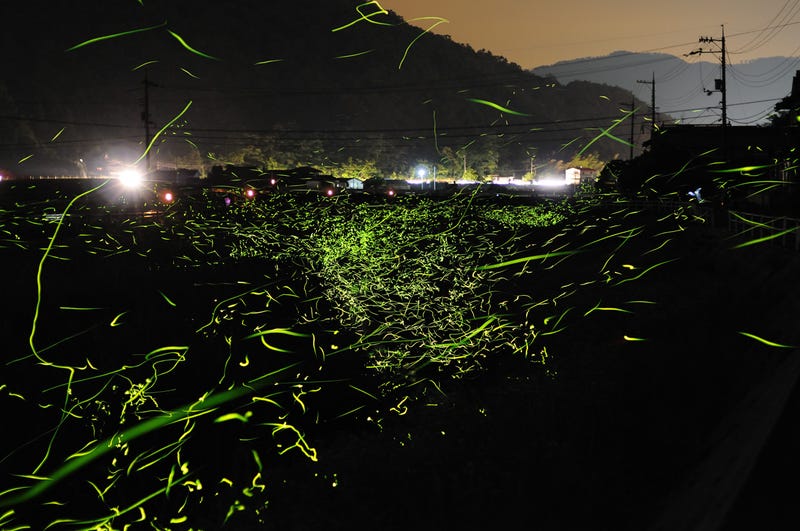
point(612, 174)
point(450, 163)
point(787, 111)
point(358, 169)
point(483, 157)
point(591, 161)
point(470, 175)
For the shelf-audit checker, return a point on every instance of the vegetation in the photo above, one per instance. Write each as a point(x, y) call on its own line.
point(274, 325)
point(415, 97)
point(184, 365)
point(317, 287)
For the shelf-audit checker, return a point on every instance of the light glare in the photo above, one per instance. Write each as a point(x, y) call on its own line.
point(130, 178)
point(551, 183)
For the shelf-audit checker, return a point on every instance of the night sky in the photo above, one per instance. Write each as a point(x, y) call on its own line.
point(68, 64)
point(293, 354)
point(534, 34)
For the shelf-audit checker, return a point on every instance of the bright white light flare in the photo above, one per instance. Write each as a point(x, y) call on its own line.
point(131, 178)
point(551, 183)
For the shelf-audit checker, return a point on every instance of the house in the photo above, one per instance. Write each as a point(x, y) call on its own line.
point(354, 184)
point(580, 175)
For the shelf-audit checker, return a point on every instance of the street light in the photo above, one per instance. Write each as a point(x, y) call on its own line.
point(131, 178)
point(422, 171)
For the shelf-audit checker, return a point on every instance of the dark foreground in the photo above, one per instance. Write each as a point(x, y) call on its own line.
point(658, 434)
point(647, 407)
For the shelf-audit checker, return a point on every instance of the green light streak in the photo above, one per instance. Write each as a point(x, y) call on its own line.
point(186, 45)
point(46, 254)
point(606, 132)
point(766, 238)
point(408, 48)
point(269, 61)
point(160, 132)
point(745, 169)
point(643, 273)
point(526, 259)
point(598, 308)
point(204, 406)
point(114, 36)
point(167, 299)
point(496, 106)
point(357, 54)
point(365, 17)
point(188, 73)
point(146, 63)
point(766, 341)
point(634, 339)
point(283, 331)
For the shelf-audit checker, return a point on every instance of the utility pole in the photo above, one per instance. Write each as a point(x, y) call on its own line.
point(719, 84)
point(633, 119)
point(146, 119)
point(652, 103)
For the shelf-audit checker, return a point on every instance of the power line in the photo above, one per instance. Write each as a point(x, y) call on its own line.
point(63, 122)
point(720, 84)
point(577, 73)
point(542, 126)
point(783, 68)
point(767, 34)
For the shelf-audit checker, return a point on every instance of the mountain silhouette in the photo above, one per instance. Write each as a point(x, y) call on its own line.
point(335, 80)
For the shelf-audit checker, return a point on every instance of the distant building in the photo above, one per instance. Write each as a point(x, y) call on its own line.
point(580, 175)
point(497, 179)
point(354, 184)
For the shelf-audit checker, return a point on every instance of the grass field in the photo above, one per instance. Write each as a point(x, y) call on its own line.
point(304, 362)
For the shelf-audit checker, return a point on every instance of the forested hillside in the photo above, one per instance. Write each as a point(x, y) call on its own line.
point(279, 84)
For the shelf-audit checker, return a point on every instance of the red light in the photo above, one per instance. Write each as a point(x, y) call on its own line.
point(250, 193)
point(273, 182)
point(168, 197)
point(329, 192)
point(391, 193)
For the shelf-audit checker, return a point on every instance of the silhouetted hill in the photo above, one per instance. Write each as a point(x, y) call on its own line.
point(753, 87)
point(324, 80)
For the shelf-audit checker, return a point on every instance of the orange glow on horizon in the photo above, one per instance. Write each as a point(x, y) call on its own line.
point(542, 33)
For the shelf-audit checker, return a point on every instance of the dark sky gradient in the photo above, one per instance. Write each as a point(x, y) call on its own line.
point(538, 33)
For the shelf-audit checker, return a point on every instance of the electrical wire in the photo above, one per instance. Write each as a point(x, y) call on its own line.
point(772, 29)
